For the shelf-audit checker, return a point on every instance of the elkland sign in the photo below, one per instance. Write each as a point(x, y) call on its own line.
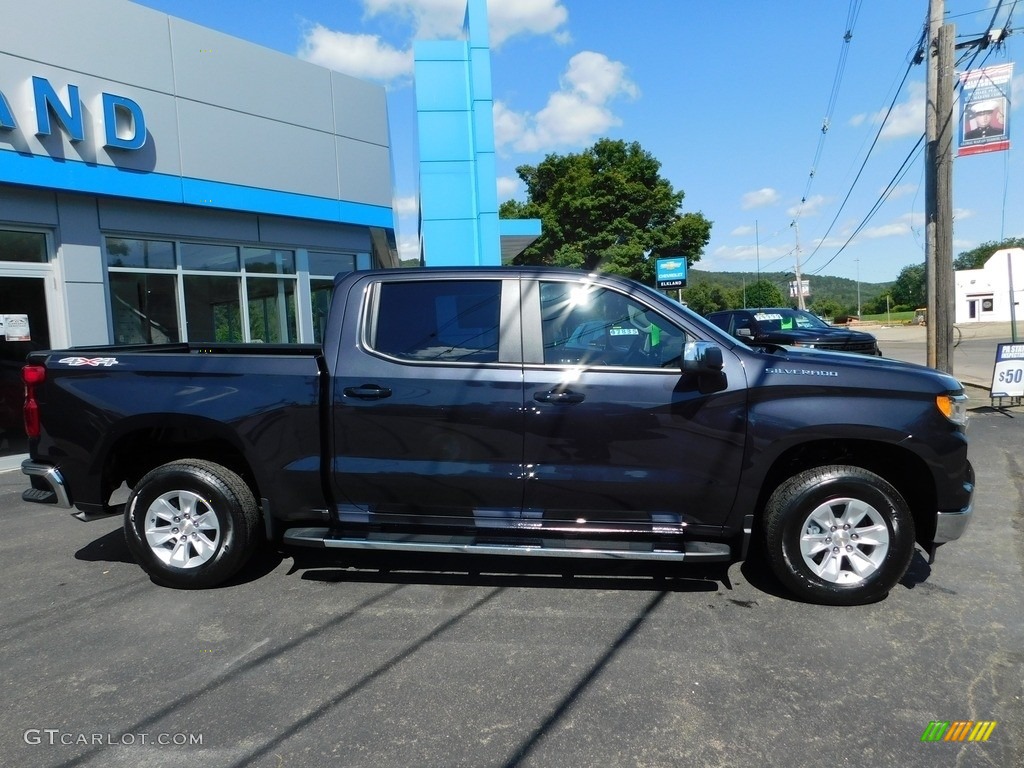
point(123, 122)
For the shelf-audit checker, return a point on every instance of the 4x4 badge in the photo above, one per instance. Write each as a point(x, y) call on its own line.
point(93, 361)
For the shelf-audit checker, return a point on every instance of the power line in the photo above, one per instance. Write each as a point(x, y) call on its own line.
point(853, 12)
point(863, 165)
point(978, 45)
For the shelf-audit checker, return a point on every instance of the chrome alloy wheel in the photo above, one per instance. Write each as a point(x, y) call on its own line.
point(182, 530)
point(844, 540)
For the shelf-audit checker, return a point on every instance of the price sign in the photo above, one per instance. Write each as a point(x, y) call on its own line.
point(1008, 374)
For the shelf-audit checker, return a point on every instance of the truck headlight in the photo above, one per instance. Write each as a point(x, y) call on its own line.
point(953, 407)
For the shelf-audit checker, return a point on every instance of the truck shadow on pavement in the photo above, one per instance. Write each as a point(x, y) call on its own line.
point(112, 548)
point(491, 571)
point(497, 571)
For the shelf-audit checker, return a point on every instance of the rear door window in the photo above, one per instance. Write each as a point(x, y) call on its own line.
point(443, 321)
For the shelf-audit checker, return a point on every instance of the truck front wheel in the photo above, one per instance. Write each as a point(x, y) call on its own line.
point(838, 535)
point(191, 523)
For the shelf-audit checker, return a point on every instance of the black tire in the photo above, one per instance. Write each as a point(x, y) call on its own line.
point(838, 535)
point(191, 524)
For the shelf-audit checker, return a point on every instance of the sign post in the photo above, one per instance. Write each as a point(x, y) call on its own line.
point(1008, 373)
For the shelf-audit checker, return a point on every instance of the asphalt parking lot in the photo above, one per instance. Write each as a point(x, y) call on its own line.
point(469, 662)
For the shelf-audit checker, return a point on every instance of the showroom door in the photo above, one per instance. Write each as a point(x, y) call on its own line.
point(25, 328)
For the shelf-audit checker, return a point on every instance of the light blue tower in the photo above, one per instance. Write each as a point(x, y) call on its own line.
point(459, 224)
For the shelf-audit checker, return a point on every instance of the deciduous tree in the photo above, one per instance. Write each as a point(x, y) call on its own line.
point(607, 208)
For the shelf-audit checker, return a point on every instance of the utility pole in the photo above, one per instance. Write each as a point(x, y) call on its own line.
point(939, 188)
point(800, 304)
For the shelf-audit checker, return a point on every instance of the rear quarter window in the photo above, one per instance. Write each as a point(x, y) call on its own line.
point(441, 321)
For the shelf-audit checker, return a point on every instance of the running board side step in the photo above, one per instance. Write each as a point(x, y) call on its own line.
point(324, 538)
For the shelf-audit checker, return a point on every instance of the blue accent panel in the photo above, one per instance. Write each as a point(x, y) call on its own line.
point(76, 176)
point(6, 116)
point(442, 85)
point(217, 195)
point(458, 164)
point(480, 73)
point(483, 127)
point(48, 102)
point(446, 191)
point(439, 50)
point(476, 24)
point(445, 136)
point(490, 240)
point(520, 227)
point(113, 107)
point(450, 243)
point(487, 182)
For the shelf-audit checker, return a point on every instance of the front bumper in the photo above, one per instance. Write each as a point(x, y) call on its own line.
point(47, 484)
point(950, 526)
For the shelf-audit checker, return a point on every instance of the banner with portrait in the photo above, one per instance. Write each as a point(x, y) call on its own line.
point(985, 110)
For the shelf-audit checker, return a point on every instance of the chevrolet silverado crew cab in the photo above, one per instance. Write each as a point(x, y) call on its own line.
point(794, 327)
point(510, 412)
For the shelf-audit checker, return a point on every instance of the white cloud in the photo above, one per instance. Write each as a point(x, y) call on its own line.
point(407, 205)
point(743, 231)
point(574, 115)
point(509, 186)
point(907, 118)
point(372, 58)
point(759, 198)
point(901, 226)
point(750, 253)
point(901, 190)
point(408, 247)
point(443, 19)
point(364, 56)
point(809, 207)
point(508, 125)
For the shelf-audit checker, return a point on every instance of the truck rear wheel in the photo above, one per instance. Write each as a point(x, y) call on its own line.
point(838, 535)
point(191, 523)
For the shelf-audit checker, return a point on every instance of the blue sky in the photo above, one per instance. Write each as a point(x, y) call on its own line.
point(730, 96)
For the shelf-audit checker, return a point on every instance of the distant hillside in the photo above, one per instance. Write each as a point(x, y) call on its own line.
point(841, 289)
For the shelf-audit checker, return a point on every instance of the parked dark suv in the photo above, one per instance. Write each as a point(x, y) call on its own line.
point(792, 327)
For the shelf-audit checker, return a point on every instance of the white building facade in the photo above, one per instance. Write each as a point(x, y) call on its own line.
point(986, 295)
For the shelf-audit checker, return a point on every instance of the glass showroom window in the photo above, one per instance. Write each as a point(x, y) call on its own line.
point(22, 246)
point(270, 295)
point(143, 291)
point(322, 269)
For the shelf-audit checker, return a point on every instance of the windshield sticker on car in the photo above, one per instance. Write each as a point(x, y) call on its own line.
point(623, 332)
point(767, 316)
point(94, 362)
point(801, 372)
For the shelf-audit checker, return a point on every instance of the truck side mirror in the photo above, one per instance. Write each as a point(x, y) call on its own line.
point(702, 357)
point(705, 361)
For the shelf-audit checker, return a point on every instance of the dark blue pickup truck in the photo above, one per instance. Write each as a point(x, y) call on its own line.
point(508, 412)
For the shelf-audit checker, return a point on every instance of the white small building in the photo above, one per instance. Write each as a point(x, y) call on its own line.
point(983, 295)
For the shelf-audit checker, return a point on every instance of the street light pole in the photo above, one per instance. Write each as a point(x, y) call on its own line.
point(858, 287)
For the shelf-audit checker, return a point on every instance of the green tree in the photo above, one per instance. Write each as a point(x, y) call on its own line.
point(909, 291)
point(976, 257)
point(705, 297)
point(606, 208)
point(761, 293)
point(826, 307)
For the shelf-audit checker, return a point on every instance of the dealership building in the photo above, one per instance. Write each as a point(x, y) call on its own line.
point(161, 181)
